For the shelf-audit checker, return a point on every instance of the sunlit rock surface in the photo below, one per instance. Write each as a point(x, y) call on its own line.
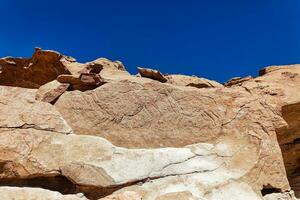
point(93, 131)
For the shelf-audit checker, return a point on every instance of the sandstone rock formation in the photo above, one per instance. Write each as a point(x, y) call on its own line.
point(93, 131)
point(43, 67)
point(83, 82)
point(51, 91)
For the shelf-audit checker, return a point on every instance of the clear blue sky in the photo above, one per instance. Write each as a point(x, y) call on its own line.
point(217, 39)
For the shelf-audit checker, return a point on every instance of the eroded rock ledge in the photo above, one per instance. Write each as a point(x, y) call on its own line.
point(72, 130)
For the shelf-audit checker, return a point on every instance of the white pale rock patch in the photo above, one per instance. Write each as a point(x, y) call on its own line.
point(233, 191)
point(119, 164)
point(25, 193)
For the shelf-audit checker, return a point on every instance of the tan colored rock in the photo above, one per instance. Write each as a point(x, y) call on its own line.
point(136, 114)
point(269, 87)
point(109, 70)
point(85, 81)
point(280, 196)
point(42, 154)
point(192, 81)
point(51, 91)
point(279, 87)
point(237, 80)
point(94, 68)
point(270, 69)
point(138, 138)
point(127, 195)
point(152, 73)
point(88, 76)
point(15, 193)
point(233, 191)
point(176, 196)
point(98, 168)
point(20, 110)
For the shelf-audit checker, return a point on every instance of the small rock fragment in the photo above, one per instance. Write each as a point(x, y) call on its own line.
point(153, 74)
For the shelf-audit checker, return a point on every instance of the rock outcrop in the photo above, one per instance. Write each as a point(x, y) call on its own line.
point(43, 67)
point(85, 81)
point(46, 66)
point(237, 80)
point(192, 81)
point(93, 131)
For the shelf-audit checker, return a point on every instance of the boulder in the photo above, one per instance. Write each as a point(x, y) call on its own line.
point(51, 91)
point(20, 110)
point(106, 68)
point(152, 74)
point(192, 81)
point(85, 81)
point(67, 163)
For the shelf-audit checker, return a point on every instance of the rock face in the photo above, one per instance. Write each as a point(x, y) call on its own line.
point(43, 67)
point(93, 131)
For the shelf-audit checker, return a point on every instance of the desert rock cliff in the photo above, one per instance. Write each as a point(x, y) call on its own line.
point(92, 131)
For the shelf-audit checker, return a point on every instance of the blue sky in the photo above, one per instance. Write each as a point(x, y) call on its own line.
point(216, 39)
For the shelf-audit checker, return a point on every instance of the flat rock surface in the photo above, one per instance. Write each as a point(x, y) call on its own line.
point(15, 193)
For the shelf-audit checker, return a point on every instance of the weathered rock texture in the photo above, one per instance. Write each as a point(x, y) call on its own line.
point(15, 193)
point(43, 67)
point(93, 131)
point(51, 91)
point(153, 74)
point(192, 81)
